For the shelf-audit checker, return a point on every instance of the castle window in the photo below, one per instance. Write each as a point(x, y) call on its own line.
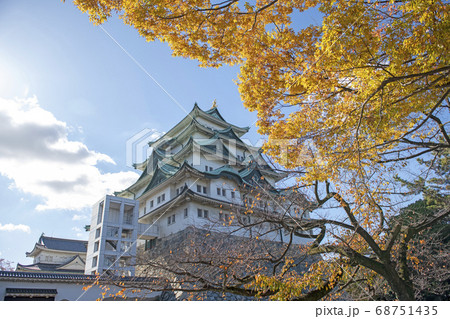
point(171, 220)
point(233, 195)
point(158, 200)
point(218, 191)
point(224, 192)
point(163, 197)
point(97, 232)
point(185, 213)
point(202, 213)
point(96, 244)
point(151, 203)
point(201, 189)
point(94, 261)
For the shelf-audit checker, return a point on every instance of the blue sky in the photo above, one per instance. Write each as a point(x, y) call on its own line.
point(70, 98)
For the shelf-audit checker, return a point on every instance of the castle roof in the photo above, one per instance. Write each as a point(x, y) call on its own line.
point(59, 268)
point(171, 150)
point(212, 115)
point(60, 244)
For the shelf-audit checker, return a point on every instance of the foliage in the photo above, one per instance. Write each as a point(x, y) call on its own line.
point(367, 89)
point(6, 265)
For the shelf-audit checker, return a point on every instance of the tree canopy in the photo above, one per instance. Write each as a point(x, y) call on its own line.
point(348, 102)
point(367, 84)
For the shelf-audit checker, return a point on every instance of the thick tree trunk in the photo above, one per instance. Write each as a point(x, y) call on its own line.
point(402, 288)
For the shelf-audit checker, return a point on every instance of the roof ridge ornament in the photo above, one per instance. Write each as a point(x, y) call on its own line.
point(214, 105)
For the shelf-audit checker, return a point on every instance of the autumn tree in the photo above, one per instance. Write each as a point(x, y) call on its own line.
point(347, 103)
point(5, 265)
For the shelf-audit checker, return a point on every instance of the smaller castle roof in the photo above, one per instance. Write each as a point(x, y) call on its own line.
point(44, 267)
point(61, 244)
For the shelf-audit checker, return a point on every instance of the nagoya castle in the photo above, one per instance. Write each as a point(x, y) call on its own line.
point(199, 174)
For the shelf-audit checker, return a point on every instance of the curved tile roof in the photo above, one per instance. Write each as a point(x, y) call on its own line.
point(63, 244)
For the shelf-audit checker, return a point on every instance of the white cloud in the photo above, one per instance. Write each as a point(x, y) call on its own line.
point(36, 154)
point(12, 227)
point(77, 217)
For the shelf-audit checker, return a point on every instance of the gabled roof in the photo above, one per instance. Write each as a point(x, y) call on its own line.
point(162, 173)
point(228, 132)
point(75, 261)
point(215, 112)
point(58, 268)
point(211, 115)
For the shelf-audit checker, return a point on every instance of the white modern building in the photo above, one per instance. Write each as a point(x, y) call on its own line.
point(113, 236)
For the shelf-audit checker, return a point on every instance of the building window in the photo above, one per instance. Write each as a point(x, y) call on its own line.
point(233, 194)
point(128, 218)
point(171, 220)
point(94, 261)
point(201, 189)
point(97, 232)
point(127, 233)
point(145, 210)
point(221, 191)
point(100, 213)
point(186, 213)
point(202, 213)
point(96, 244)
point(180, 190)
point(112, 231)
point(163, 197)
point(151, 203)
point(158, 200)
point(150, 244)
